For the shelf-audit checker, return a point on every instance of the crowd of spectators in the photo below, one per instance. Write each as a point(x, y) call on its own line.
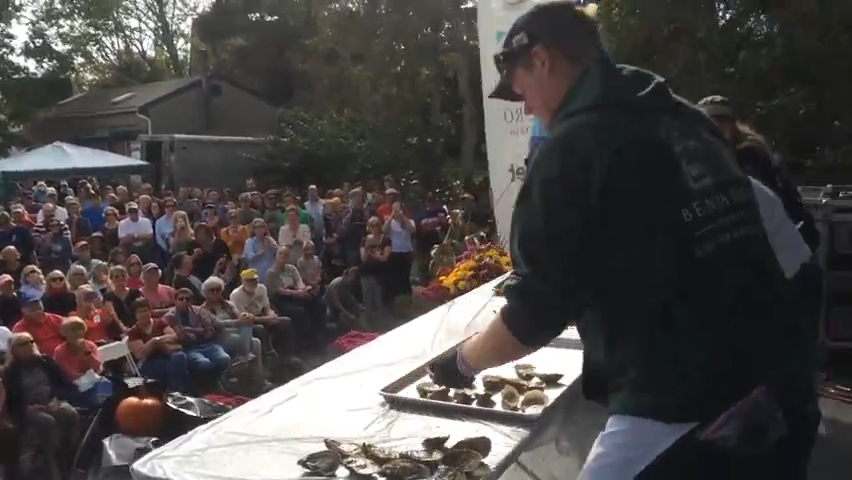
point(194, 283)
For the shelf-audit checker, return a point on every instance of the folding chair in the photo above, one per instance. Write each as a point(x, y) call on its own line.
point(117, 351)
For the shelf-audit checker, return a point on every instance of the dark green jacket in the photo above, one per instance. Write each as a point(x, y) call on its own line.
point(635, 221)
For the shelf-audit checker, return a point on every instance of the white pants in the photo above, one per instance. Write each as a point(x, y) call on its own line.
point(629, 444)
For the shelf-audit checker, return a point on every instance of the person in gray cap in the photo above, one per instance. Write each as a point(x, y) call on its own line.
point(635, 223)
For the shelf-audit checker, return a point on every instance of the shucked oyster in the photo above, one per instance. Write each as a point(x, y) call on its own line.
point(425, 389)
point(533, 401)
point(462, 459)
point(448, 473)
point(440, 395)
point(535, 384)
point(402, 469)
point(510, 398)
point(480, 445)
point(492, 383)
point(549, 378)
point(344, 449)
point(435, 443)
point(463, 397)
point(361, 466)
point(380, 455)
point(429, 457)
point(324, 463)
point(485, 400)
point(525, 371)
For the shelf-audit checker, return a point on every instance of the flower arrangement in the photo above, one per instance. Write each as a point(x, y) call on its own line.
point(479, 263)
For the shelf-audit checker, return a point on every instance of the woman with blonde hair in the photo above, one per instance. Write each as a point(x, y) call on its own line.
point(120, 296)
point(77, 277)
point(37, 395)
point(81, 362)
point(57, 298)
point(182, 237)
point(32, 282)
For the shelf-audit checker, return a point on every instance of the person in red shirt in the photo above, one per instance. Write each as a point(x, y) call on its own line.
point(160, 297)
point(386, 209)
point(156, 347)
point(102, 325)
point(43, 327)
point(76, 355)
point(134, 271)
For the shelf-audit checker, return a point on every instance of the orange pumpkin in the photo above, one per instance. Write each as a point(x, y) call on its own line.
point(140, 416)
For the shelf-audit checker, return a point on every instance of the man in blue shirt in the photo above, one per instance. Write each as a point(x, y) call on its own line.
point(94, 213)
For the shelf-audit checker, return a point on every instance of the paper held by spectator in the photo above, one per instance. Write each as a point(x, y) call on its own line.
point(87, 380)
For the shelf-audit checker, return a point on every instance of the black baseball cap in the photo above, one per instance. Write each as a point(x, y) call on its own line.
point(554, 24)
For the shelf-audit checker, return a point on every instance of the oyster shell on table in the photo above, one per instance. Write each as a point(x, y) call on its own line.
point(324, 463)
point(435, 443)
point(441, 395)
point(380, 455)
point(462, 459)
point(425, 389)
point(535, 384)
point(448, 473)
point(481, 471)
point(485, 400)
point(464, 396)
point(480, 445)
point(344, 449)
point(402, 469)
point(533, 401)
point(492, 383)
point(510, 398)
point(549, 378)
point(361, 466)
point(525, 371)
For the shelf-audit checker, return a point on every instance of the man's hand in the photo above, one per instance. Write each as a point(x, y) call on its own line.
point(246, 319)
point(445, 371)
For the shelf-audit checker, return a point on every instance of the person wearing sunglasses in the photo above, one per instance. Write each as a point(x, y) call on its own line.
point(55, 251)
point(195, 329)
point(635, 223)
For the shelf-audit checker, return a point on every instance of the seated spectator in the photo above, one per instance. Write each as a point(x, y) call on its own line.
point(99, 246)
point(10, 305)
point(77, 277)
point(55, 251)
point(57, 298)
point(183, 278)
point(134, 271)
point(119, 297)
point(10, 438)
point(117, 256)
point(196, 331)
point(136, 233)
point(80, 360)
point(285, 289)
point(160, 297)
point(293, 233)
point(156, 348)
point(32, 282)
point(36, 400)
point(10, 264)
point(343, 306)
point(99, 278)
point(80, 226)
point(310, 267)
point(234, 235)
point(43, 327)
point(211, 256)
point(235, 329)
point(83, 252)
point(102, 326)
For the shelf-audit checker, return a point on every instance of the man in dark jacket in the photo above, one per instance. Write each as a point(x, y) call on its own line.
point(635, 221)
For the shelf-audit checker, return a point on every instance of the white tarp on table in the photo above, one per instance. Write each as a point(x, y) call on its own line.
point(263, 439)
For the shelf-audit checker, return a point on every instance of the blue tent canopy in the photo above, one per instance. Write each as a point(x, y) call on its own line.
point(60, 160)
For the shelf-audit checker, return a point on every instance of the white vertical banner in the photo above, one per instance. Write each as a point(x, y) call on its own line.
point(507, 130)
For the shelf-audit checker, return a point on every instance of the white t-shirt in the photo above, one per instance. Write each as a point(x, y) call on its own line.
point(5, 336)
point(286, 235)
point(61, 214)
point(254, 304)
point(140, 227)
point(786, 241)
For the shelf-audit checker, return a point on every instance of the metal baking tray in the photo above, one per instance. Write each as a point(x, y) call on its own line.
point(402, 393)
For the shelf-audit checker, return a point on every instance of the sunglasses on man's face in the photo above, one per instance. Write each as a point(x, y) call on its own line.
point(182, 299)
point(57, 280)
point(134, 264)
